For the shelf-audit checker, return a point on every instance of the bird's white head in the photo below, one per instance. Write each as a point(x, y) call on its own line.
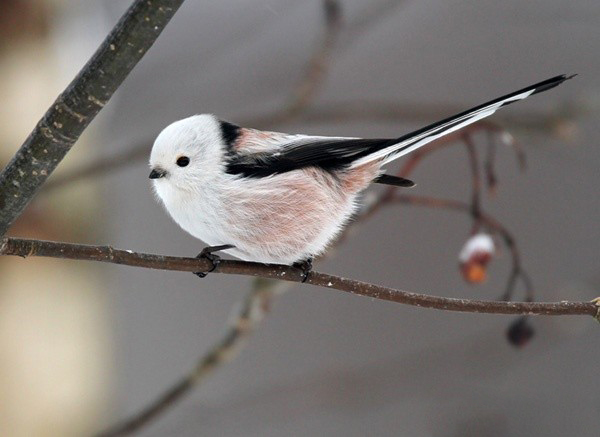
point(187, 154)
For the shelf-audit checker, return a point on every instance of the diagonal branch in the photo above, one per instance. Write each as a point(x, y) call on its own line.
point(26, 248)
point(77, 106)
point(247, 317)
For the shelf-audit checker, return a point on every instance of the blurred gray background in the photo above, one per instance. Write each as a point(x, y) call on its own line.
point(326, 362)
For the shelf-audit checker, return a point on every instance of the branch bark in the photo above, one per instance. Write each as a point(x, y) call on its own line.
point(77, 106)
point(26, 248)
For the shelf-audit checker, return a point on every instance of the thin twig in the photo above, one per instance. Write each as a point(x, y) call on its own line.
point(475, 182)
point(77, 106)
point(306, 89)
point(320, 61)
point(26, 248)
point(489, 164)
point(367, 20)
point(492, 224)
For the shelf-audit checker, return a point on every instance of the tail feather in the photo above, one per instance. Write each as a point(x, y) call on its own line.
point(414, 140)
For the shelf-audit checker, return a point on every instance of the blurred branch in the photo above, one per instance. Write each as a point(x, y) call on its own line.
point(26, 248)
point(558, 122)
point(475, 182)
point(246, 319)
point(100, 167)
point(306, 89)
point(317, 67)
point(77, 106)
point(372, 16)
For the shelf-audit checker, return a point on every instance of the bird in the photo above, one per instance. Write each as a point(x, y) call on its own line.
point(279, 198)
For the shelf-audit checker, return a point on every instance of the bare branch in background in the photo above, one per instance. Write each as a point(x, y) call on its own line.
point(318, 66)
point(77, 106)
point(316, 71)
point(372, 16)
point(475, 182)
point(99, 167)
point(488, 166)
point(246, 319)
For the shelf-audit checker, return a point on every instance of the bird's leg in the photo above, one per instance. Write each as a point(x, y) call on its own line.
point(208, 253)
point(305, 266)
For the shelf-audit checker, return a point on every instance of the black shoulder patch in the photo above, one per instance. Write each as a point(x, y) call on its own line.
point(230, 132)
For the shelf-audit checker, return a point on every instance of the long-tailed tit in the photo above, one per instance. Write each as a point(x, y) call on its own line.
point(278, 198)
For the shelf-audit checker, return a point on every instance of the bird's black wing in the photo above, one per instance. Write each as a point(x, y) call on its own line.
point(339, 153)
point(326, 153)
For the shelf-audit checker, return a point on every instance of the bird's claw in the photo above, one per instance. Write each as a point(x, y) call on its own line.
point(209, 254)
point(305, 266)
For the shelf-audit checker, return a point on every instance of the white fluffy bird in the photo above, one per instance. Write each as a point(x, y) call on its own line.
point(278, 198)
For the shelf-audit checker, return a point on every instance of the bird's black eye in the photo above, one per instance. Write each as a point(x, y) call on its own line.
point(183, 161)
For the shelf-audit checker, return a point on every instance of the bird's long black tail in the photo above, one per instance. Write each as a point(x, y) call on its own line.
point(412, 141)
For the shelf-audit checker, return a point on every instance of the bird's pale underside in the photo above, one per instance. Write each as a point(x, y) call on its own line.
point(280, 198)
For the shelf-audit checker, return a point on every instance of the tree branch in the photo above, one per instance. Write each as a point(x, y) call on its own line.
point(246, 319)
point(77, 106)
point(26, 248)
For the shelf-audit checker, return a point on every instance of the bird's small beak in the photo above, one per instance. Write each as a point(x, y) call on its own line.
point(157, 173)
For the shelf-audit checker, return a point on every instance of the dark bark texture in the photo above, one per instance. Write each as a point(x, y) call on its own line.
point(76, 107)
point(26, 248)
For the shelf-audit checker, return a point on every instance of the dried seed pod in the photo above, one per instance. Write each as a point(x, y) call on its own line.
point(475, 256)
